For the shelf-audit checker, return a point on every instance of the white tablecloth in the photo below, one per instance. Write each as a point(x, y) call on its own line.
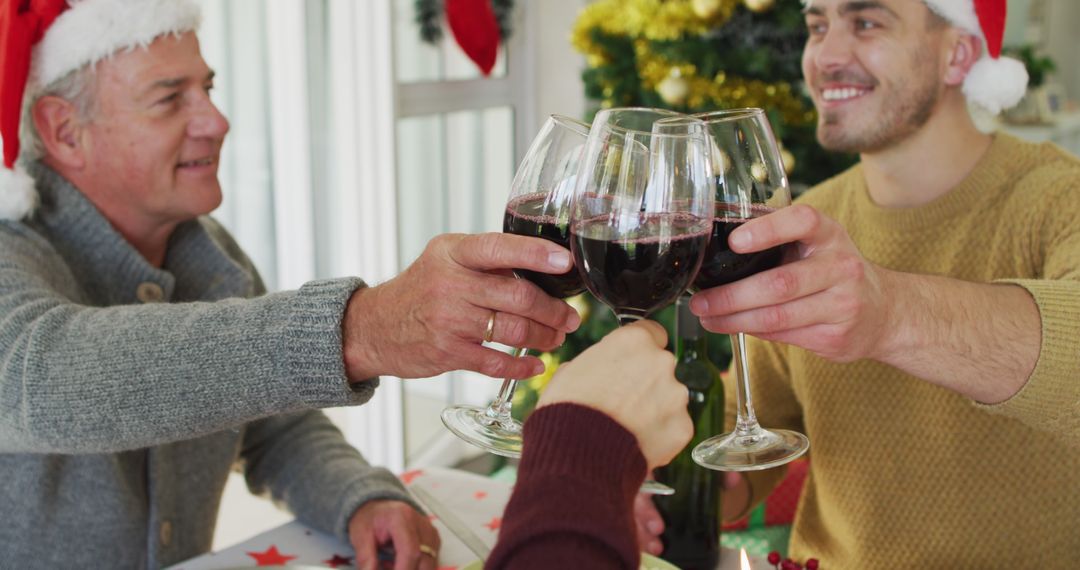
point(477, 501)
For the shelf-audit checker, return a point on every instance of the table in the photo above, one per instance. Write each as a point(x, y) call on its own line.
point(477, 501)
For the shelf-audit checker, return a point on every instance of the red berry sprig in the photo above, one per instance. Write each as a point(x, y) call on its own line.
point(789, 564)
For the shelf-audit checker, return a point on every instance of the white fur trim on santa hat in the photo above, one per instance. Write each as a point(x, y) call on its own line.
point(89, 31)
point(960, 13)
point(92, 30)
point(18, 197)
point(996, 84)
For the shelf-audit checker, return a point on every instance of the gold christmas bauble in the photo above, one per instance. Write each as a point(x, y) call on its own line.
point(673, 89)
point(759, 172)
point(705, 9)
point(759, 5)
point(720, 161)
point(789, 160)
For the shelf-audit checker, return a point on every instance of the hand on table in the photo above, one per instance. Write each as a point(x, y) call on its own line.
point(433, 317)
point(381, 523)
point(631, 377)
point(825, 298)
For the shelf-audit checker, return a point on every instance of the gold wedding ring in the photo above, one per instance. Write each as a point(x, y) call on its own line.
point(425, 549)
point(489, 332)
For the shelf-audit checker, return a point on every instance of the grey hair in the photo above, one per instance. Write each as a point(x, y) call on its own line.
point(78, 87)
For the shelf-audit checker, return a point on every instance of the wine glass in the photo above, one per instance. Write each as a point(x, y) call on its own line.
point(642, 214)
point(539, 205)
point(750, 183)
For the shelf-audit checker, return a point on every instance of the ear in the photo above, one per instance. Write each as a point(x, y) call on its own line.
point(966, 49)
point(59, 128)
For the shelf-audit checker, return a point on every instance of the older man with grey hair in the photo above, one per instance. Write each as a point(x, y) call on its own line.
point(141, 357)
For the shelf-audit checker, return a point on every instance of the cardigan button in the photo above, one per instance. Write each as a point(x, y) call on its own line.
point(165, 533)
point(149, 292)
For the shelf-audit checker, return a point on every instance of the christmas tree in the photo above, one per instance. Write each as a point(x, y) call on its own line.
point(704, 55)
point(695, 56)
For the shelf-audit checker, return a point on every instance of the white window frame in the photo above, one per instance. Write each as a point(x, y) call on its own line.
point(371, 97)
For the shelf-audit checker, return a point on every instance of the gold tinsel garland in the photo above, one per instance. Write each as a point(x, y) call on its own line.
point(661, 20)
point(656, 20)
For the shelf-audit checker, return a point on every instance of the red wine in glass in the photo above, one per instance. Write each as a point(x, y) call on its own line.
point(721, 265)
point(538, 206)
point(525, 216)
point(638, 275)
point(752, 183)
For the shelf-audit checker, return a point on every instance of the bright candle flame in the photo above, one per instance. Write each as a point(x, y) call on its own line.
point(744, 562)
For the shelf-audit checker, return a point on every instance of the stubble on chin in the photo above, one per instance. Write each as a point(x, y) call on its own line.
point(831, 135)
point(900, 111)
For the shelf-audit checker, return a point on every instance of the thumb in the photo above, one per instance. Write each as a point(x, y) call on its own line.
point(655, 330)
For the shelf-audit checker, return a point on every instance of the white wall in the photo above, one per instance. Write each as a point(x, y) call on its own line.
point(1063, 44)
point(1052, 25)
point(558, 66)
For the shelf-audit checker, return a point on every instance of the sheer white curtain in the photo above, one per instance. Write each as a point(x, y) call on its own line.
point(352, 144)
point(308, 167)
point(235, 51)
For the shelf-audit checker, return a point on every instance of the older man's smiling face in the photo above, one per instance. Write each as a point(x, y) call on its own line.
point(155, 139)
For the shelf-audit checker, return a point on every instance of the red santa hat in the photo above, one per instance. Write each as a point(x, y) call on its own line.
point(44, 40)
point(994, 82)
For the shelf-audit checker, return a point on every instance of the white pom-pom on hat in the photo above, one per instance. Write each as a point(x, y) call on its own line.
point(17, 194)
point(996, 84)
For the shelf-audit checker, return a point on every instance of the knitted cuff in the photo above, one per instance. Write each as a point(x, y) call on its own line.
point(1051, 396)
point(312, 345)
point(378, 484)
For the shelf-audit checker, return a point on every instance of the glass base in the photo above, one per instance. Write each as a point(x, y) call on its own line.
point(760, 449)
point(472, 424)
point(651, 487)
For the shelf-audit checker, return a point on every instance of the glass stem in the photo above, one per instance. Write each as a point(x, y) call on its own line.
point(498, 411)
point(746, 424)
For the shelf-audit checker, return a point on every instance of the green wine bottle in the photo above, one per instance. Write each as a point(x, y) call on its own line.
point(691, 516)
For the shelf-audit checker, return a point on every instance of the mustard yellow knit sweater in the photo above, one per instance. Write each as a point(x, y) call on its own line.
point(904, 474)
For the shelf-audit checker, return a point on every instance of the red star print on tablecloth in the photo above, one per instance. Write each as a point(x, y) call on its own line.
point(408, 476)
point(494, 524)
point(479, 495)
point(270, 558)
point(338, 560)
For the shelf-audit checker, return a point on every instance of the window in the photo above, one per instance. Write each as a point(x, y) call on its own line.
point(353, 143)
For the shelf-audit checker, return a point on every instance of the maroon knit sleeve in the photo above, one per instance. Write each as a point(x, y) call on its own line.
point(573, 501)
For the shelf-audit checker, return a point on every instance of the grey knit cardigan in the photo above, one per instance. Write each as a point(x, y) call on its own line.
point(121, 416)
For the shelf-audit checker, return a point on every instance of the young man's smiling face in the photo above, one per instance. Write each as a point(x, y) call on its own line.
point(874, 70)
